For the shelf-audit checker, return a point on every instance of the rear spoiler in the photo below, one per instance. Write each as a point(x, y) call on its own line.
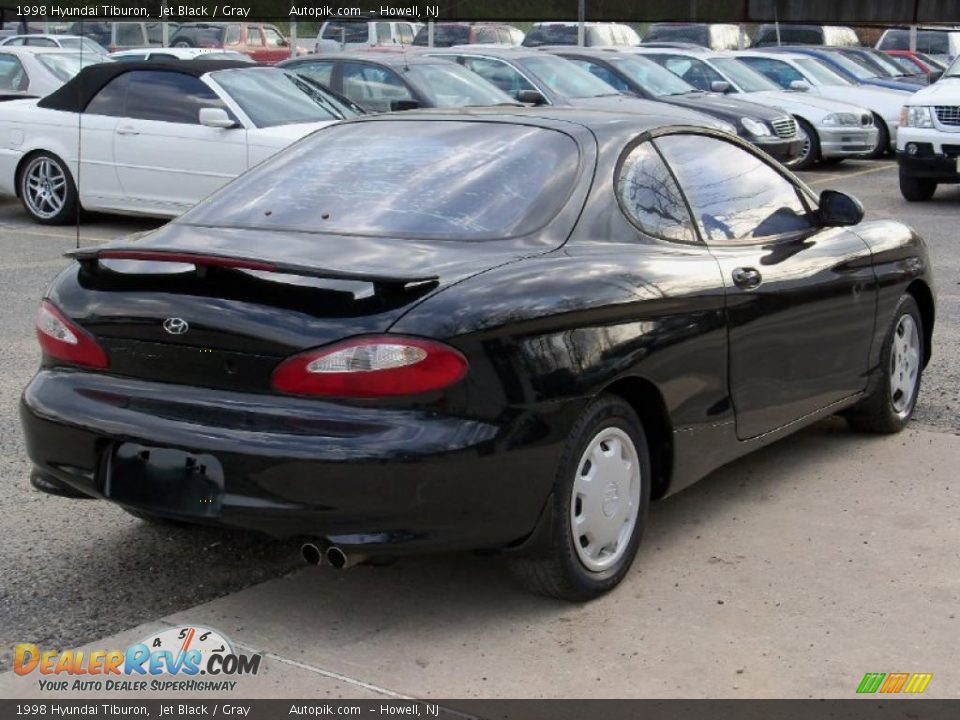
point(89, 259)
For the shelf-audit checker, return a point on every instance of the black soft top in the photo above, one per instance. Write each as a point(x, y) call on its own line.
point(76, 93)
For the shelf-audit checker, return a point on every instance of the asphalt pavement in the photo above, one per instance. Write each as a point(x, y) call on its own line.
point(827, 555)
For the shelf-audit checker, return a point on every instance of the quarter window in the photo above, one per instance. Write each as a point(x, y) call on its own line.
point(735, 196)
point(12, 76)
point(649, 196)
point(273, 38)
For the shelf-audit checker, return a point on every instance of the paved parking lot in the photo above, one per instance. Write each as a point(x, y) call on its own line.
point(790, 573)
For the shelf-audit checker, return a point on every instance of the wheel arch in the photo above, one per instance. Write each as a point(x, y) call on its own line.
point(647, 401)
point(923, 296)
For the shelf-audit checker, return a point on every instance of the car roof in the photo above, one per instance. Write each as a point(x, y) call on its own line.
point(78, 91)
point(506, 53)
point(776, 54)
point(395, 59)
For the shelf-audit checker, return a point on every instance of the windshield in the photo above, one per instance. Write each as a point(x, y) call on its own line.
point(651, 77)
point(821, 74)
point(745, 78)
point(566, 79)
point(858, 69)
point(272, 97)
point(65, 65)
point(447, 85)
point(415, 178)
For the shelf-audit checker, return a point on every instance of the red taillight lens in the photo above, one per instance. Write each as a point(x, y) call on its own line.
point(371, 367)
point(61, 339)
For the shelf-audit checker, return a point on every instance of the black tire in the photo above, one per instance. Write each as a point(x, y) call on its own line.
point(878, 413)
point(883, 139)
point(808, 159)
point(35, 208)
point(916, 189)
point(553, 566)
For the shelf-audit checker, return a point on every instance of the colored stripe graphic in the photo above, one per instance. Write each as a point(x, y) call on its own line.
point(871, 682)
point(918, 682)
point(894, 682)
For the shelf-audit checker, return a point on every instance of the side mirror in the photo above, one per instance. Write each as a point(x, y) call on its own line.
point(216, 118)
point(401, 105)
point(531, 97)
point(720, 86)
point(838, 209)
point(801, 85)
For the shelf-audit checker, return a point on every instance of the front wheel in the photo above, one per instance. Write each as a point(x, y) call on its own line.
point(889, 408)
point(916, 189)
point(810, 151)
point(599, 507)
point(47, 190)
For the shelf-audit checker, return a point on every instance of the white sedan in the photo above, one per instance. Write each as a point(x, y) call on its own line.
point(793, 71)
point(154, 138)
point(38, 71)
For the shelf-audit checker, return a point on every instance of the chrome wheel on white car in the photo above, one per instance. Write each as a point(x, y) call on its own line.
point(47, 190)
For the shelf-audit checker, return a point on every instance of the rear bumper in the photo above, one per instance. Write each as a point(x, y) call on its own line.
point(390, 481)
point(846, 141)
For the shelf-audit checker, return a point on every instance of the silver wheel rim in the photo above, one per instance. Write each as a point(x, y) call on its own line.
point(44, 187)
point(805, 149)
point(605, 499)
point(904, 364)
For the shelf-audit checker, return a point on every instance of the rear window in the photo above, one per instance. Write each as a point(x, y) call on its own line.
point(551, 35)
point(450, 180)
point(346, 32)
point(444, 35)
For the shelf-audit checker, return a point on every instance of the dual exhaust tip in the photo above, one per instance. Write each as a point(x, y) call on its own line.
point(334, 556)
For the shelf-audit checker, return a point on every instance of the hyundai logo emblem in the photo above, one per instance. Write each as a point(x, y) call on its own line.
point(176, 326)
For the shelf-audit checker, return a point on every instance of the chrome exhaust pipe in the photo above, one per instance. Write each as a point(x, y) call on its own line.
point(312, 554)
point(340, 559)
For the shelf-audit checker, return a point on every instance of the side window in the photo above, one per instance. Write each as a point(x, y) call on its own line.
point(12, 75)
point(272, 38)
point(487, 35)
point(130, 34)
point(383, 33)
point(406, 33)
point(168, 97)
point(500, 74)
point(649, 196)
point(321, 72)
point(254, 38)
point(110, 100)
point(373, 88)
point(697, 73)
point(231, 36)
point(735, 196)
point(608, 76)
point(17, 41)
point(41, 42)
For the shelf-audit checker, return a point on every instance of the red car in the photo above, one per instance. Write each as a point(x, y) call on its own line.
point(917, 62)
point(261, 41)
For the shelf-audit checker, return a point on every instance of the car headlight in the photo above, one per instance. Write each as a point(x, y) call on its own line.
point(916, 116)
point(841, 118)
point(755, 128)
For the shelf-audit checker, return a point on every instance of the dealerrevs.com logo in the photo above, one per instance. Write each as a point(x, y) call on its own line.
point(179, 659)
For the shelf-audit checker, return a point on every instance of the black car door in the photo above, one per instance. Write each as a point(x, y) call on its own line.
point(801, 298)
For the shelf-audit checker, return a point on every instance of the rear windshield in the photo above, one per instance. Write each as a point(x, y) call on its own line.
point(696, 34)
point(450, 180)
point(444, 35)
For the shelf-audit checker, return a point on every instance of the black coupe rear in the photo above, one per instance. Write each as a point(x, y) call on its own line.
point(428, 332)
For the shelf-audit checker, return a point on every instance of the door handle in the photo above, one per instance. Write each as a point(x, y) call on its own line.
point(126, 130)
point(747, 277)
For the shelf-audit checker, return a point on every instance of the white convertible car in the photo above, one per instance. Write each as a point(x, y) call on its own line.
point(152, 138)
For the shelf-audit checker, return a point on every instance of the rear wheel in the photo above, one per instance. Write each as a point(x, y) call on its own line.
point(599, 507)
point(810, 151)
point(889, 408)
point(883, 139)
point(916, 189)
point(47, 190)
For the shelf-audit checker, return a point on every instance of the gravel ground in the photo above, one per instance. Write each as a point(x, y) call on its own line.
point(73, 571)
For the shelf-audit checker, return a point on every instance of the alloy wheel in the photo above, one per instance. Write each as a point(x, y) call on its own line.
point(44, 187)
point(606, 499)
point(904, 364)
point(802, 158)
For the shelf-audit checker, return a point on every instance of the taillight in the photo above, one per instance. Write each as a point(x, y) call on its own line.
point(61, 339)
point(367, 367)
